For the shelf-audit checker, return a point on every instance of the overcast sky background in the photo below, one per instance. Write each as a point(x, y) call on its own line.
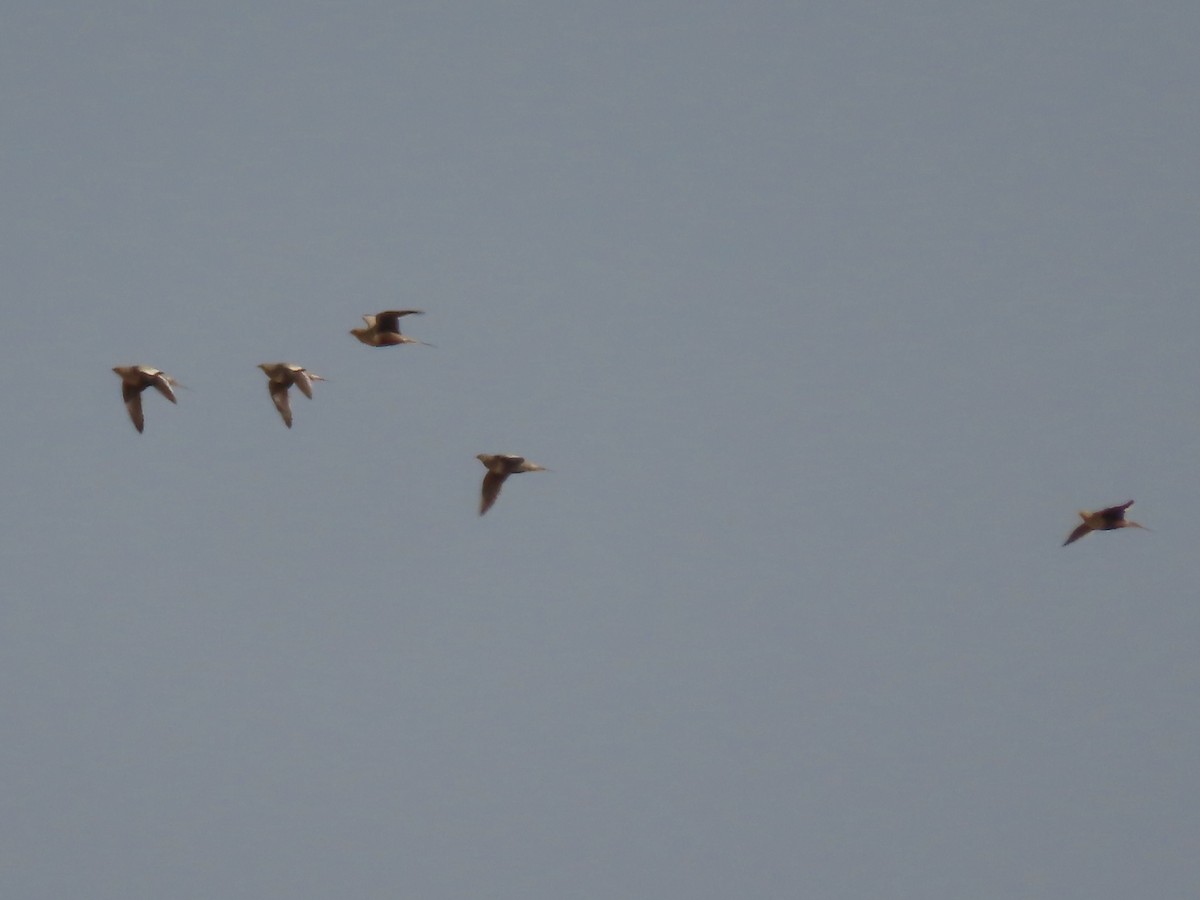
point(827, 318)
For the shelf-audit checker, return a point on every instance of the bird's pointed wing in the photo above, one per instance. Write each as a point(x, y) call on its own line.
point(491, 490)
point(389, 319)
point(279, 393)
point(302, 380)
point(1075, 535)
point(133, 403)
point(163, 384)
point(1113, 514)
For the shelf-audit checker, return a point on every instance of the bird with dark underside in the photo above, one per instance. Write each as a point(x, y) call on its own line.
point(383, 329)
point(499, 467)
point(134, 380)
point(1108, 519)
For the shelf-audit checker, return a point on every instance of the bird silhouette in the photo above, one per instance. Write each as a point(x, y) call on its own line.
point(280, 377)
point(383, 329)
point(134, 380)
point(499, 467)
point(1107, 519)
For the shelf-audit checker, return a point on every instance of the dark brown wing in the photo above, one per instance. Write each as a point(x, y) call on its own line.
point(279, 393)
point(133, 402)
point(491, 490)
point(1114, 514)
point(1075, 535)
point(388, 321)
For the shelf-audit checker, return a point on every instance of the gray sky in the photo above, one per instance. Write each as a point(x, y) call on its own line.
point(827, 317)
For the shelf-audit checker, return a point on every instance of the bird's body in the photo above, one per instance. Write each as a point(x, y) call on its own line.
point(1107, 519)
point(383, 329)
point(134, 380)
point(499, 467)
point(280, 377)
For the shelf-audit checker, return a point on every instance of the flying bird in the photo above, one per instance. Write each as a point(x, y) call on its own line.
point(1107, 519)
point(134, 380)
point(499, 467)
point(383, 329)
point(280, 377)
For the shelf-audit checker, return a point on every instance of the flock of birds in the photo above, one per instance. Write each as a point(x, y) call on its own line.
point(382, 330)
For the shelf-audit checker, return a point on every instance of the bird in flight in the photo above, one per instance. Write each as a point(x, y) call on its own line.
point(280, 377)
point(499, 467)
point(1107, 519)
point(134, 380)
point(383, 329)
